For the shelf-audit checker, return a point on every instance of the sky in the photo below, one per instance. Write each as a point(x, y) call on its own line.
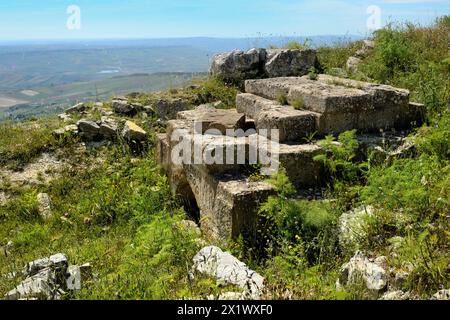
point(105, 19)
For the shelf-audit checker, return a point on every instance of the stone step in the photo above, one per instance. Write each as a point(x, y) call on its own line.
point(343, 104)
point(228, 203)
point(209, 119)
point(293, 125)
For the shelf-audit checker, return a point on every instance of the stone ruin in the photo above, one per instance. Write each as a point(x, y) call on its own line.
point(227, 198)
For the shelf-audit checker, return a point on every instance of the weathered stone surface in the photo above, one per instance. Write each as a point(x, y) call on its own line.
point(238, 65)
point(77, 276)
point(293, 125)
point(168, 108)
point(353, 226)
point(343, 104)
point(360, 267)
point(286, 62)
point(395, 295)
point(78, 108)
point(55, 262)
point(298, 161)
point(132, 132)
point(64, 117)
point(228, 270)
point(121, 106)
point(441, 295)
point(89, 130)
point(41, 286)
point(66, 131)
point(228, 204)
point(256, 63)
point(44, 205)
point(108, 128)
point(209, 118)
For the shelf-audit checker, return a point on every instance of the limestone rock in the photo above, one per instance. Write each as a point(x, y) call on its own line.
point(78, 108)
point(395, 295)
point(55, 262)
point(360, 267)
point(67, 130)
point(285, 62)
point(132, 132)
point(108, 128)
point(121, 106)
point(89, 130)
point(77, 276)
point(228, 270)
point(64, 117)
point(168, 108)
point(207, 118)
point(41, 285)
point(44, 205)
point(238, 65)
point(441, 295)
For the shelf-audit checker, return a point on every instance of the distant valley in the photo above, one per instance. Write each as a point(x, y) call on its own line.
point(40, 78)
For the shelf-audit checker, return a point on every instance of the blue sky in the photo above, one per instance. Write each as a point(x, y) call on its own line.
point(46, 19)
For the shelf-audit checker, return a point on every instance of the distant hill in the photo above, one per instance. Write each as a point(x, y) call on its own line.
point(39, 77)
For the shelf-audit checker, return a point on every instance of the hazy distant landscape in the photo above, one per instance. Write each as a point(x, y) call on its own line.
point(38, 78)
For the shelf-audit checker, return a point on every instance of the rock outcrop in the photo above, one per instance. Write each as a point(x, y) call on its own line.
point(227, 270)
point(237, 65)
point(49, 279)
point(372, 273)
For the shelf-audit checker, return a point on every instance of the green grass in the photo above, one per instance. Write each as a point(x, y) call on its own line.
point(20, 143)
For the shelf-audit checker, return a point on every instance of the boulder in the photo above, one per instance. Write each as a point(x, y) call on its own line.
point(89, 130)
point(57, 262)
point(287, 63)
point(69, 130)
point(132, 132)
point(227, 270)
point(395, 295)
point(168, 108)
point(109, 128)
point(41, 286)
point(44, 205)
point(238, 65)
point(78, 275)
point(78, 108)
point(121, 106)
point(374, 276)
point(441, 295)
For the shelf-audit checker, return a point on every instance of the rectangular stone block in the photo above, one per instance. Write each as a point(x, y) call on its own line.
point(228, 203)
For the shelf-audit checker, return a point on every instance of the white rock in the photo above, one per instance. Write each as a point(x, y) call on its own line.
point(441, 295)
point(374, 276)
point(395, 295)
point(228, 270)
point(44, 205)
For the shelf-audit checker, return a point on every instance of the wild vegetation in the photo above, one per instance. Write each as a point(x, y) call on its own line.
point(119, 213)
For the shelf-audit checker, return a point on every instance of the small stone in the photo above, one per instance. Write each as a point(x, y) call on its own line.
point(78, 108)
point(132, 132)
point(441, 295)
point(78, 275)
point(395, 295)
point(228, 270)
point(44, 205)
point(89, 130)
